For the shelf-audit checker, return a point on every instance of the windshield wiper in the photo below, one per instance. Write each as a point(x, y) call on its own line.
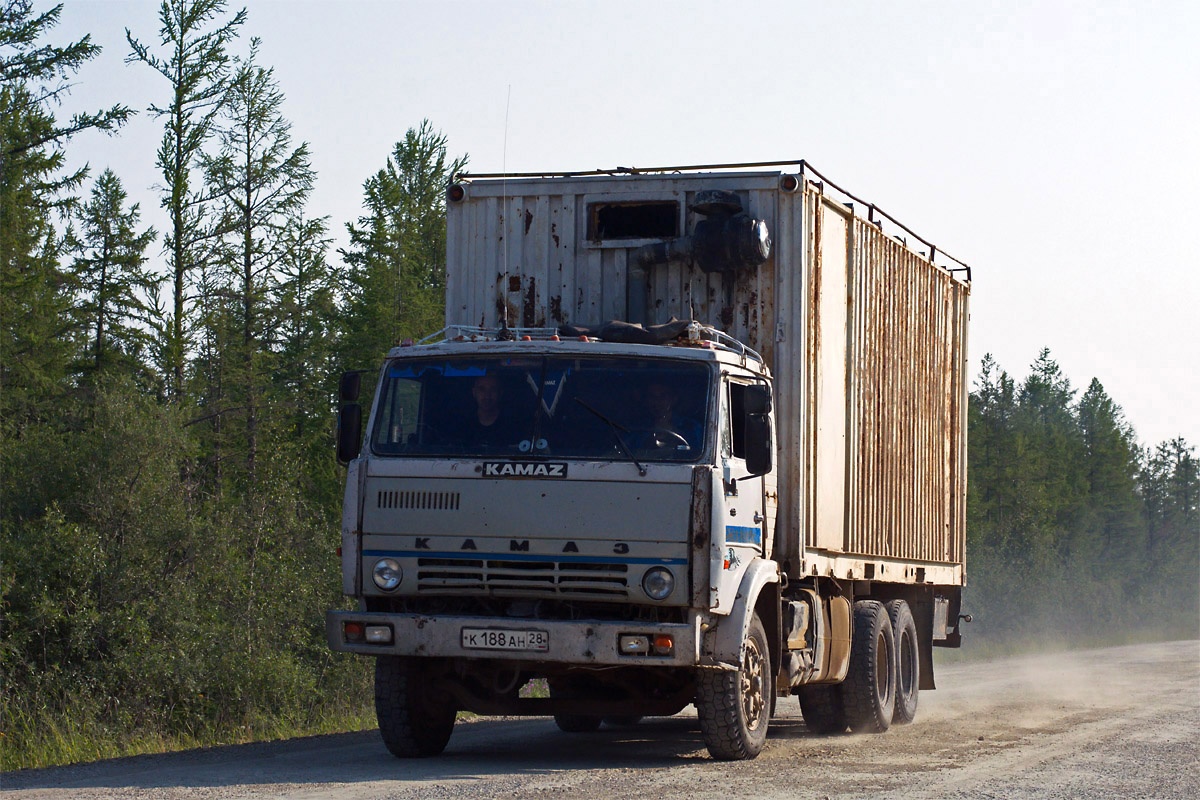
point(616, 429)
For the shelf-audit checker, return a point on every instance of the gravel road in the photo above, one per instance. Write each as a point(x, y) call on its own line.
point(1119, 722)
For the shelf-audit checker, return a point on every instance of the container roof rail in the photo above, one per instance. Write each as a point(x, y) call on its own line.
point(803, 165)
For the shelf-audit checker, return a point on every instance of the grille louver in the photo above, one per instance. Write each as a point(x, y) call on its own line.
point(499, 577)
point(425, 501)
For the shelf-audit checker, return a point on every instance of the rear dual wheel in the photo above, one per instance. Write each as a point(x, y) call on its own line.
point(572, 723)
point(869, 691)
point(822, 708)
point(883, 679)
point(908, 661)
point(622, 722)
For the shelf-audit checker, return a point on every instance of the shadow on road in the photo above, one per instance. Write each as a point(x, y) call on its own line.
point(486, 747)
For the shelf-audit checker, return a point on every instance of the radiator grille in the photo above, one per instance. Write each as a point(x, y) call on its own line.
point(426, 501)
point(461, 576)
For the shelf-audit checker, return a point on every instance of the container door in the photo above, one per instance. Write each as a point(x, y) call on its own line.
point(830, 473)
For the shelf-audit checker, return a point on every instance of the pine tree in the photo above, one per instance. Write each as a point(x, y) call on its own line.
point(395, 284)
point(305, 342)
point(991, 417)
point(195, 35)
point(110, 271)
point(261, 183)
point(1111, 469)
point(1170, 484)
point(1051, 447)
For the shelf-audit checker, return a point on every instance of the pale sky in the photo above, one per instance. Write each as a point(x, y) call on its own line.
point(1052, 145)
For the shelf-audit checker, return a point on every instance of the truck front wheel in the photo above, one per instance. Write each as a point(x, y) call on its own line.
point(415, 717)
point(869, 692)
point(735, 706)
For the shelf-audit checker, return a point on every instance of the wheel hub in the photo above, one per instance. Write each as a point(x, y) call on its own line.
point(753, 694)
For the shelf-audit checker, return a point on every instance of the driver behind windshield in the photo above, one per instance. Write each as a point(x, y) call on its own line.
point(488, 425)
point(660, 409)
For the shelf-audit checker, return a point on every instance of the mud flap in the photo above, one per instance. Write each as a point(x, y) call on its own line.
point(722, 646)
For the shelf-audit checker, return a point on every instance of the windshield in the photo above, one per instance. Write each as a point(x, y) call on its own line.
point(560, 407)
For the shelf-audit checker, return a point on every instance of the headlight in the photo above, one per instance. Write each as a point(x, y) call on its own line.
point(658, 583)
point(387, 574)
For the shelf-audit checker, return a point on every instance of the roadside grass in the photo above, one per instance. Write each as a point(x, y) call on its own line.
point(37, 734)
point(33, 735)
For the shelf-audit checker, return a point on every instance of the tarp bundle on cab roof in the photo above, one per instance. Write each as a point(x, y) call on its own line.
point(629, 332)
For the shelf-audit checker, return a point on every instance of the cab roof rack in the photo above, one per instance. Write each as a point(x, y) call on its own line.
point(696, 335)
point(475, 333)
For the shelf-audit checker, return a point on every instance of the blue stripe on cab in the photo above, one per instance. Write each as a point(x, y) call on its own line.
point(735, 534)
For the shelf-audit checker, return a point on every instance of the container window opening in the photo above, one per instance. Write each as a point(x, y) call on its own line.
point(646, 220)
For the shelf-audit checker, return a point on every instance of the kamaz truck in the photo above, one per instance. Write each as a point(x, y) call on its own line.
point(692, 435)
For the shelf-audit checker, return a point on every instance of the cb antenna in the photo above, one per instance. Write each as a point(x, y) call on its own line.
point(504, 332)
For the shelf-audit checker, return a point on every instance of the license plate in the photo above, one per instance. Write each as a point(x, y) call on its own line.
point(494, 639)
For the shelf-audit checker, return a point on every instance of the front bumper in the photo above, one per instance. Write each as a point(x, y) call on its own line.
point(570, 642)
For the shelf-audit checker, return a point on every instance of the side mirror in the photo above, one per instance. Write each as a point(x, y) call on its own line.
point(759, 452)
point(349, 432)
point(349, 386)
point(758, 399)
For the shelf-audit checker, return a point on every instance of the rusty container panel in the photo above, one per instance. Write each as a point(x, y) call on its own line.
point(528, 252)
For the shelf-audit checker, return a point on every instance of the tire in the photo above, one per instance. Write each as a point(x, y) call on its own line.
point(822, 708)
point(869, 691)
point(576, 723)
point(735, 706)
point(908, 661)
point(415, 718)
point(573, 723)
point(622, 722)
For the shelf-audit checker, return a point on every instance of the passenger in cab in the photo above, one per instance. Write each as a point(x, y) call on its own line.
point(660, 408)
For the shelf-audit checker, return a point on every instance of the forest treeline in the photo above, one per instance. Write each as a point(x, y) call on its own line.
point(1075, 533)
point(170, 501)
point(170, 511)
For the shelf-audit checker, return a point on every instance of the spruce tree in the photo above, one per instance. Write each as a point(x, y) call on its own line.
point(304, 378)
point(1052, 451)
point(36, 344)
point(396, 282)
point(110, 271)
point(1170, 484)
point(1110, 466)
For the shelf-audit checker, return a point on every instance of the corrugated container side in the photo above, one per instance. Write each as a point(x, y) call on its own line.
point(905, 346)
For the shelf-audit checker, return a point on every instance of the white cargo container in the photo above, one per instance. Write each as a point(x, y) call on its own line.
point(809, 510)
